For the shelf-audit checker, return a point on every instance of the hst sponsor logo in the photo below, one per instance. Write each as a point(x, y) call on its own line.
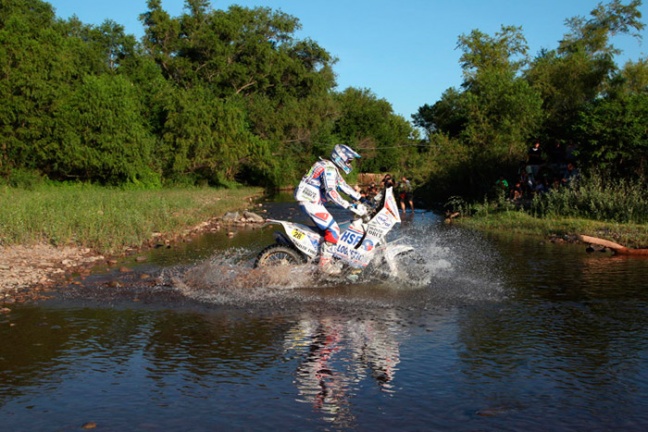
point(351, 237)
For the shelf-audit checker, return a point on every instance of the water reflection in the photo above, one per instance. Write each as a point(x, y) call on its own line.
point(337, 355)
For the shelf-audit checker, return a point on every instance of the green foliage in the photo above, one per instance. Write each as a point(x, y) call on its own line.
point(444, 170)
point(23, 178)
point(489, 121)
point(230, 97)
point(259, 95)
point(98, 135)
point(211, 96)
point(370, 126)
point(613, 135)
point(597, 196)
point(108, 220)
point(578, 72)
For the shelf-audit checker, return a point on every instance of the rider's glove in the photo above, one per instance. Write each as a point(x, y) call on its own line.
point(359, 209)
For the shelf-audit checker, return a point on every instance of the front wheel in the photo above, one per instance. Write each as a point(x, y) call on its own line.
point(278, 255)
point(413, 268)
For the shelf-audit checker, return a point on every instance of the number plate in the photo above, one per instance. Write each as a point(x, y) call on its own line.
point(297, 234)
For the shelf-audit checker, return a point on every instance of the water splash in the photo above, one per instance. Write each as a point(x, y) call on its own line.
point(447, 266)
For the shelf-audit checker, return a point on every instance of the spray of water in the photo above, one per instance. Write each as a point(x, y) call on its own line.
point(446, 266)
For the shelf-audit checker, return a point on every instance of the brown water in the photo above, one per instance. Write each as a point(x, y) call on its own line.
point(502, 334)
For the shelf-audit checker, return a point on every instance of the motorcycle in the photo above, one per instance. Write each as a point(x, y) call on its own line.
point(362, 242)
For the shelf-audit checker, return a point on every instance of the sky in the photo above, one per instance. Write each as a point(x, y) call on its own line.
point(403, 51)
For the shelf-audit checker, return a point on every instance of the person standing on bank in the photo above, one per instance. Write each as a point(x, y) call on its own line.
point(535, 159)
point(405, 194)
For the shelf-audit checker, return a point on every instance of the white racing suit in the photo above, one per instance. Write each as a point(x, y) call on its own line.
point(320, 185)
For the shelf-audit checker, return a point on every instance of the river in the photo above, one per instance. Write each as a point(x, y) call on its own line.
point(499, 333)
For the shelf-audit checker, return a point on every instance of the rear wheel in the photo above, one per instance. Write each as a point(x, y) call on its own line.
point(278, 255)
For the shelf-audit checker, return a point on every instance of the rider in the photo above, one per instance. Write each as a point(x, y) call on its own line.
point(320, 185)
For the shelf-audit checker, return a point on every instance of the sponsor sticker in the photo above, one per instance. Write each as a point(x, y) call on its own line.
point(298, 234)
point(351, 237)
point(309, 193)
point(373, 232)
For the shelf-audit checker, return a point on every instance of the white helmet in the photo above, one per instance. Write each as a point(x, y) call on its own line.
point(342, 156)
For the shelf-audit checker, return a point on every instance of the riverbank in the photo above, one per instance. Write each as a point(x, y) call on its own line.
point(49, 234)
point(558, 229)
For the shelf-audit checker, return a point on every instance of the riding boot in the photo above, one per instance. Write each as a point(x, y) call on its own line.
point(326, 263)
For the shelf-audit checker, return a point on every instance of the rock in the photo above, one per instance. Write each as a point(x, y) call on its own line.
point(253, 217)
point(231, 217)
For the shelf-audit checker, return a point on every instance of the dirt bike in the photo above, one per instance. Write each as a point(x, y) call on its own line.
point(362, 241)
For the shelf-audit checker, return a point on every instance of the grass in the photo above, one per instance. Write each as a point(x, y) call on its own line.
point(108, 220)
point(598, 197)
point(519, 222)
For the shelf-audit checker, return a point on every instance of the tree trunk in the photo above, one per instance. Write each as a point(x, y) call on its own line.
point(617, 248)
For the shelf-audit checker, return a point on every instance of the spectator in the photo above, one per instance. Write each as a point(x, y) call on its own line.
point(534, 155)
point(557, 154)
point(570, 174)
point(387, 181)
point(406, 194)
point(517, 192)
point(502, 185)
point(534, 158)
point(372, 190)
point(570, 152)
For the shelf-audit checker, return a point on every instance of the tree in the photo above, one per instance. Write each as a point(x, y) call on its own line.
point(39, 64)
point(632, 79)
point(613, 135)
point(250, 56)
point(579, 70)
point(496, 111)
point(447, 116)
point(99, 136)
point(369, 125)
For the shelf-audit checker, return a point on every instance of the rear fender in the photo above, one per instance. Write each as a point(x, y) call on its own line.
point(300, 236)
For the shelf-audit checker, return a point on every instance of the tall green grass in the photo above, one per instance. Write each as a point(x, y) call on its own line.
point(595, 205)
point(104, 219)
point(597, 197)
